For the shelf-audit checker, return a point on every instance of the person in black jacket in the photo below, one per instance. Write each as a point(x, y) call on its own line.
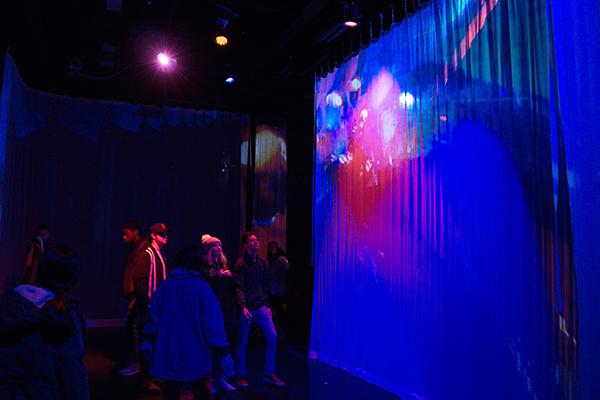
point(216, 272)
point(278, 269)
point(136, 245)
point(251, 273)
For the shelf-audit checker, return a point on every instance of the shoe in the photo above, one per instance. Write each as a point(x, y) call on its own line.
point(223, 384)
point(273, 380)
point(132, 369)
point(242, 382)
point(151, 387)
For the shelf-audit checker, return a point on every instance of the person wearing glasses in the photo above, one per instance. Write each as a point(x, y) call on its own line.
point(150, 272)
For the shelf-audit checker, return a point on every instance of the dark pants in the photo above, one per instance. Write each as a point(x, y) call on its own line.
point(140, 315)
point(134, 329)
point(171, 390)
point(279, 317)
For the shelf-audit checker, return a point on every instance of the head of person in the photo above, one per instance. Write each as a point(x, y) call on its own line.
point(212, 248)
point(42, 231)
point(131, 231)
point(59, 269)
point(250, 242)
point(189, 257)
point(159, 234)
point(272, 248)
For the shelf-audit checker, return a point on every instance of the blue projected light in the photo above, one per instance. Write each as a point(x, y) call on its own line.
point(432, 223)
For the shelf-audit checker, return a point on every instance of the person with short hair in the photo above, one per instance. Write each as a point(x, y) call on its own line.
point(251, 273)
point(136, 246)
point(149, 273)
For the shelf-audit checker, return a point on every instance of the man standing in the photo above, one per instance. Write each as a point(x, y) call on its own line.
point(149, 272)
point(137, 245)
point(251, 273)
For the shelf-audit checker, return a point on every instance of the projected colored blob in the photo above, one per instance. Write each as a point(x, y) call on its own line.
point(270, 183)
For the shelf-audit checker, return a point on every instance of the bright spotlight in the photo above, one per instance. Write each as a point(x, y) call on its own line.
point(406, 99)
point(165, 61)
point(229, 79)
point(351, 24)
point(221, 40)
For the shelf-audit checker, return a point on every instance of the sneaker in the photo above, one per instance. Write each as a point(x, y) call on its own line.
point(223, 384)
point(132, 369)
point(151, 387)
point(242, 382)
point(273, 380)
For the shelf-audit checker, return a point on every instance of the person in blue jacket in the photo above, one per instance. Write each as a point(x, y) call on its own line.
point(185, 328)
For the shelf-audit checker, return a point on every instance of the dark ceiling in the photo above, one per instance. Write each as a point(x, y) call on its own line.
point(273, 50)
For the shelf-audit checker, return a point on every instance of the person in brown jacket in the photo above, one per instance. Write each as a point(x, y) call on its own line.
point(136, 244)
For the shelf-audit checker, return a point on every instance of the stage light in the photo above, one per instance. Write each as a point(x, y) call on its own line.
point(163, 59)
point(229, 79)
point(356, 84)
point(221, 40)
point(351, 14)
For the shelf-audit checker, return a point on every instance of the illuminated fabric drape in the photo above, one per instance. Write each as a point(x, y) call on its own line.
point(442, 241)
point(269, 183)
point(576, 145)
point(85, 167)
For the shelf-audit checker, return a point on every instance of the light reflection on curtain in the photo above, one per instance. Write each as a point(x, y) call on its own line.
point(85, 167)
point(436, 233)
point(269, 217)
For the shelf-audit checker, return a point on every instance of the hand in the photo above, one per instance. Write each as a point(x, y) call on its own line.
point(130, 305)
point(224, 272)
point(269, 312)
point(247, 314)
point(226, 364)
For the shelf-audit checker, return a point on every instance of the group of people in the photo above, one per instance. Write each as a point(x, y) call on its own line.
point(184, 320)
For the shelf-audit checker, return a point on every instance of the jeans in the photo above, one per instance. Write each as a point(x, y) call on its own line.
point(265, 323)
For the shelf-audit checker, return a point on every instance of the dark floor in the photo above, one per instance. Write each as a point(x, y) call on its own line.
point(310, 380)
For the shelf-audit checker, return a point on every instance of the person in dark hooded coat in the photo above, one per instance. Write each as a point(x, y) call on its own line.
point(41, 334)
